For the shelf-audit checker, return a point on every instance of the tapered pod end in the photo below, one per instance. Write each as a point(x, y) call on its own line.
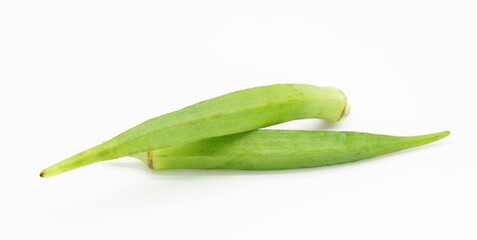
point(439, 135)
point(415, 141)
point(48, 172)
point(444, 134)
point(79, 160)
point(63, 166)
point(428, 138)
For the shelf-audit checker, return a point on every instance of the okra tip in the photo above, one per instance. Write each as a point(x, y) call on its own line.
point(443, 134)
point(46, 173)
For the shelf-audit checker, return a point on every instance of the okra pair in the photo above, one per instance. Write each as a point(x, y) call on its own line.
point(221, 133)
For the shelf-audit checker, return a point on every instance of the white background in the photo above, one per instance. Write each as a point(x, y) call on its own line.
point(76, 73)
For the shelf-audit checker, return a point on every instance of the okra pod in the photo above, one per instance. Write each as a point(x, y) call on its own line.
point(280, 149)
point(235, 112)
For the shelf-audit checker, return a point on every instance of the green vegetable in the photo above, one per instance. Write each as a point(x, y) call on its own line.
point(280, 149)
point(228, 114)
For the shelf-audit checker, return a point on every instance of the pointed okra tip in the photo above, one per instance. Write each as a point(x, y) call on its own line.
point(434, 136)
point(56, 169)
point(428, 138)
point(441, 135)
point(445, 134)
point(45, 173)
point(49, 171)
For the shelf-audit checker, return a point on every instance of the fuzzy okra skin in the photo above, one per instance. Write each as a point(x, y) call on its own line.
point(231, 113)
point(280, 149)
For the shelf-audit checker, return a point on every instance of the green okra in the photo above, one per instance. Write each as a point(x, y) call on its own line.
point(280, 149)
point(235, 112)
